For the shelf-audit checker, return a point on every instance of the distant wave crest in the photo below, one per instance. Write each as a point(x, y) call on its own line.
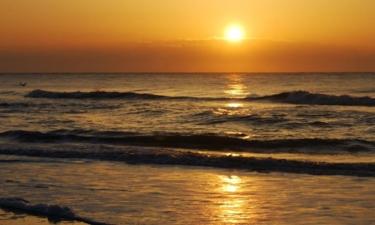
point(91, 95)
point(305, 97)
point(104, 95)
point(292, 97)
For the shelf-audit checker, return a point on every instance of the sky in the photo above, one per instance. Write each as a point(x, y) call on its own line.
point(186, 35)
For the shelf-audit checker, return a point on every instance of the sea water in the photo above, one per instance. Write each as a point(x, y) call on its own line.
point(198, 146)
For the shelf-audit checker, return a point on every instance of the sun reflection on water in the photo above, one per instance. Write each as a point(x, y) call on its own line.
point(235, 86)
point(234, 105)
point(232, 204)
point(235, 89)
point(231, 183)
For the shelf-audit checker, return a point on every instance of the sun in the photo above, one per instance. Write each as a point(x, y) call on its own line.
point(234, 33)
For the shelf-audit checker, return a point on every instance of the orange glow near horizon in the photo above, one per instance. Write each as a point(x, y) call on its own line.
point(167, 36)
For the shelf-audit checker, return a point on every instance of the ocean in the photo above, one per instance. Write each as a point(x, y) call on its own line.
point(191, 148)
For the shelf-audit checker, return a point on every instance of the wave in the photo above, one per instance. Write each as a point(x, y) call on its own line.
point(98, 95)
point(307, 98)
point(54, 213)
point(189, 158)
point(192, 141)
point(14, 104)
point(210, 117)
point(46, 104)
point(293, 97)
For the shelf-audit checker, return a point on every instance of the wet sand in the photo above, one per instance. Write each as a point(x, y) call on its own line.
point(119, 193)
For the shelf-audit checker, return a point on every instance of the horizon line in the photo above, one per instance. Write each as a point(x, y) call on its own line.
point(182, 72)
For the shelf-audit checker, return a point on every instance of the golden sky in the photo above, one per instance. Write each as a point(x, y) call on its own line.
point(186, 35)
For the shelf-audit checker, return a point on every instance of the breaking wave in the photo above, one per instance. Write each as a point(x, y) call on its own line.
point(190, 158)
point(54, 213)
point(293, 97)
point(192, 141)
point(307, 98)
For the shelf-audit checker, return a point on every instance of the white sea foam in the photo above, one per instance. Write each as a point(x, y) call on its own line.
point(52, 212)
